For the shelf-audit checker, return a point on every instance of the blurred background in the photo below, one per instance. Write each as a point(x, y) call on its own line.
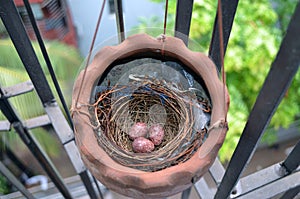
point(67, 27)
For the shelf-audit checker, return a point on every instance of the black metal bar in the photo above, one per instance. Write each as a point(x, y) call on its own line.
point(228, 12)
point(184, 11)
point(186, 193)
point(30, 142)
point(291, 194)
point(275, 86)
point(13, 23)
point(292, 161)
point(18, 162)
point(119, 19)
point(13, 180)
point(88, 184)
point(98, 188)
point(43, 159)
point(47, 60)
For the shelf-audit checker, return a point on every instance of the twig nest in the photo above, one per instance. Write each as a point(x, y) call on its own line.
point(142, 145)
point(156, 134)
point(139, 129)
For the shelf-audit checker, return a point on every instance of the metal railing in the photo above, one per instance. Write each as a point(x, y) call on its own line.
point(21, 41)
point(279, 179)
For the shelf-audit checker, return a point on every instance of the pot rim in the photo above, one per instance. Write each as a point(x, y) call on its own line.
point(133, 182)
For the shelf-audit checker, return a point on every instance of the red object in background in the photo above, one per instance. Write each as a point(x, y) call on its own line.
point(53, 19)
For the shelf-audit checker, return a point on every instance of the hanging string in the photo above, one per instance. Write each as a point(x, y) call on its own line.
point(90, 51)
point(220, 27)
point(166, 14)
point(163, 36)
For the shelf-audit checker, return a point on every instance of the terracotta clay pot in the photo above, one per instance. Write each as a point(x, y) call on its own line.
point(132, 182)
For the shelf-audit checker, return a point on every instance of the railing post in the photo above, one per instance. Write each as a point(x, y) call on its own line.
point(119, 19)
point(10, 177)
point(282, 71)
point(228, 12)
point(184, 11)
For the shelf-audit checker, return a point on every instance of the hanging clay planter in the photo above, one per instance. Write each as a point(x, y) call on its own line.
point(159, 171)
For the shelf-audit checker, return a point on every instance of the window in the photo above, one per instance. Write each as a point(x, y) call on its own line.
point(111, 6)
point(36, 9)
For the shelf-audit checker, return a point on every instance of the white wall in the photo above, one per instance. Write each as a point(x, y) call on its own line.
point(85, 15)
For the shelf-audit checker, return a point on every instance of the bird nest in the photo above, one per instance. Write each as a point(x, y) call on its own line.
point(151, 101)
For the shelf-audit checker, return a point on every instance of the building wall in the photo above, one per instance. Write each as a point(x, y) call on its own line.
point(53, 20)
point(85, 15)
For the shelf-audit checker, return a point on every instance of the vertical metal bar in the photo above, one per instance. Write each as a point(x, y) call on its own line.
point(21, 41)
point(89, 186)
point(98, 187)
point(228, 12)
point(13, 180)
point(47, 60)
point(32, 145)
point(275, 86)
point(19, 37)
point(186, 193)
point(292, 193)
point(119, 19)
point(184, 11)
point(42, 158)
point(17, 161)
point(293, 160)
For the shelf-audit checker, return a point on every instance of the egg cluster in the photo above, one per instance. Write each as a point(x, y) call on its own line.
point(145, 139)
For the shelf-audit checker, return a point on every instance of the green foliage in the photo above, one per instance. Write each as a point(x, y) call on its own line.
point(258, 29)
point(152, 26)
point(65, 61)
point(4, 188)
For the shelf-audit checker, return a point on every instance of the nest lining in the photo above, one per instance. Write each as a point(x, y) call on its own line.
point(150, 101)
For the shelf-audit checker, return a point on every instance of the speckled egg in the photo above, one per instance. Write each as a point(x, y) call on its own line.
point(142, 145)
point(139, 129)
point(156, 134)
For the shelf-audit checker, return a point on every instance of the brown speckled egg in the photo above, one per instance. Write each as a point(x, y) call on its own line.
point(139, 129)
point(156, 134)
point(142, 145)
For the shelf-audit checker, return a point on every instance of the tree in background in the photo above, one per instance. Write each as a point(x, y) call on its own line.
point(258, 29)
